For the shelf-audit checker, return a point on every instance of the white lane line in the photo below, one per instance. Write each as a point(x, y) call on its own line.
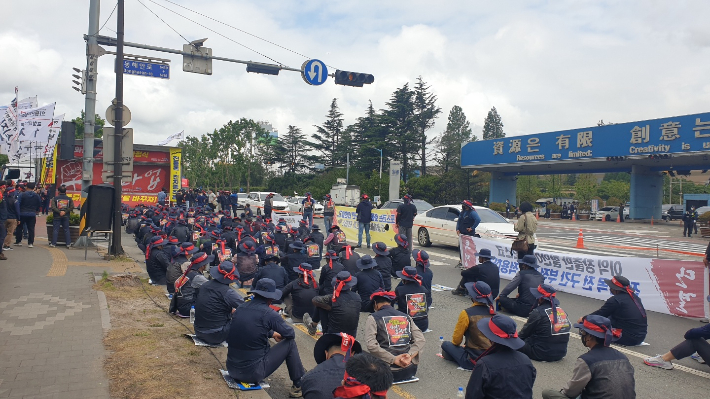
point(627, 351)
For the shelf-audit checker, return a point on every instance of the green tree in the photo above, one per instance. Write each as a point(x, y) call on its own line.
point(399, 120)
point(585, 188)
point(425, 113)
point(99, 124)
point(458, 132)
point(328, 140)
point(528, 189)
point(368, 137)
point(292, 150)
point(617, 176)
point(614, 189)
point(493, 126)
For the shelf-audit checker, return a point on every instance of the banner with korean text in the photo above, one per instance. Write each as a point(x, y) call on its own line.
point(382, 225)
point(675, 287)
point(175, 171)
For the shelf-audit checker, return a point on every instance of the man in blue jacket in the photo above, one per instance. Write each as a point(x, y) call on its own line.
point(467, 223)
point(250, 357)
point(364, 217)
point(29, 203)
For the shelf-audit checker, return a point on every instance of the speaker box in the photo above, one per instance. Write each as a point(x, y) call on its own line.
point(66, 140)
point(99, 207)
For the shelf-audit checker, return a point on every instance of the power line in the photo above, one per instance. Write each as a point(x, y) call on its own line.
point(156, 15)
point(214, 31)
point(109, 17)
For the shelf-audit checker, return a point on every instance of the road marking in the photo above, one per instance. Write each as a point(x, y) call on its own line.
point(641, 356)
point(59, 263)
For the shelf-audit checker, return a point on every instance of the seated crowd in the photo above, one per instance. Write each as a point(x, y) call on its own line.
point(198, 255)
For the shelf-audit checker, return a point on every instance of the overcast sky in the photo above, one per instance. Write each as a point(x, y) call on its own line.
point(545, 65)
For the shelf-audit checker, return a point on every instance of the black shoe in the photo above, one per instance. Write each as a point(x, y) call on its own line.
point(458, 292)
point(357, 246)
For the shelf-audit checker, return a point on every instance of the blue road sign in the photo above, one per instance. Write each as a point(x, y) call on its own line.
point(149, 69)
point(314, 72)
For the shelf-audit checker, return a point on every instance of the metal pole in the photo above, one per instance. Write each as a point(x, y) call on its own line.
point(92, 58)
point(347, 170)
point(116, 248)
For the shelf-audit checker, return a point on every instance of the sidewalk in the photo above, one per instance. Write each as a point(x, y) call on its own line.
point(51, 322)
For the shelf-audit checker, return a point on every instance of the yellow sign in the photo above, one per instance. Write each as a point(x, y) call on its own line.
point(49, 170)
point(175, 169)
point(382, 225)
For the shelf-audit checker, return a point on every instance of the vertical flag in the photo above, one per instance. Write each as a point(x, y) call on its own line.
point(175, 171)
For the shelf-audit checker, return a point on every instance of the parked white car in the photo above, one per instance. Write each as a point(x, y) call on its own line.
point(438, 226)
point(295, 204)
point(256, 199)
point(610, 213)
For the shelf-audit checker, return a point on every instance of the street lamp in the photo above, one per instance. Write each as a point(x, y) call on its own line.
point(379, 184)
point(380, 162)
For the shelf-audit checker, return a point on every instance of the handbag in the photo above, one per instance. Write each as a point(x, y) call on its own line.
point(521, 245)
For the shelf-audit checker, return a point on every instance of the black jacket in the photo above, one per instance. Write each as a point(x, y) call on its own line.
point(320, 382)
point(405, 215)
point(11, 199)
point(523, 281)
point(291, 260)
point(157, 265)
point(487, 272)
point(607, 373)
point(182, 233)
point(350, 264)
point(384, 266)
point(537, 334)
point(621, 310)
point(29, 203)
point(368, 281)
point(502, 374)
point(400, 258)
point(326, 276)
point(364, 211)
point(273, 271)
point(343, 314)
point(302, 296)
point(213, 308)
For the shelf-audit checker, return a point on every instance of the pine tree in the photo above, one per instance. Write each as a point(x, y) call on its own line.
point(425, 112)
point(291, 150)
point(457, 133)
point(328, 140)
point(493, 126)
point(400, 122)
point(368, 136)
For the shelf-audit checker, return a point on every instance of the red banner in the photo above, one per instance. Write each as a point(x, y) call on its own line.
point(138, 155)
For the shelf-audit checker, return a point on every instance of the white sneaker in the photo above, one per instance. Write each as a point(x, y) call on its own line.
point(697, 357)
point(657, 361)
point(52, 245)
point(30, 246)
point(18, 244)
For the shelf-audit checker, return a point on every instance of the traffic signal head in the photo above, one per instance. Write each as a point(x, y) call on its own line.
point(355, 79)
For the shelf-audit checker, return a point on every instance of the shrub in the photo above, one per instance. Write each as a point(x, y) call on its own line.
point(554, 208)
point(704, 218)
point(497, 206)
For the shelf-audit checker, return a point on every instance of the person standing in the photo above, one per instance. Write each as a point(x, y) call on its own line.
point(3, 216)
point(328, 211)
point(526, 226)
point(687, 223)
point(405, 217)
point(62, 207)
point(621, 212)
point(308, 204)
point(180, 198)
point(13, 214)
point(29, 203)
point(268, 205)
point(507, 209)
point(162, 196)
point(364, 217)
point(694, 213)
point(602, 372)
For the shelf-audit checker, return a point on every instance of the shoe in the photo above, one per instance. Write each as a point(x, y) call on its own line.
point(308, 321)
point(295, 392)
point(459, 292)
point(358, 246)
point(52, 245)
point(2, 256)
point(18, 244)
point(7, 248)
point(694, 356)
point(657, 361)
point(30, 246)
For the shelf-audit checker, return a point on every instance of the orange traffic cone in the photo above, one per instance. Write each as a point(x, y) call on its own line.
point(580, 240)
point(618, 218)
point(651, 220)
point(573, 217)
point(537, 214)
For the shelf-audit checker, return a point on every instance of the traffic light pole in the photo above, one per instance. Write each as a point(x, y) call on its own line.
point(116, 247)
point(92, 57)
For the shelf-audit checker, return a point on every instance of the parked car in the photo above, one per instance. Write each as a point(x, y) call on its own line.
point(610, 213)
point(438, 226)
point(255, 199)
point(295, 204)
point(241, 200)
point(671, 212)
point(422, 206)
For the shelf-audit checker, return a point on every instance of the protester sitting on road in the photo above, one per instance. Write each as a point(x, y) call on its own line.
point(501, 371)
point(412, 297)
point(280, 237)
point(303, 230)
point(369, 280)
point(365, 377)
point(294, 257)
point(157, 261)
point(349, 259)
point(272, 270)
point(313, 252)
point(546, 332)
point(337, 312)
point(485, 271)
point(215, 304)
point(331, 353)
point(526, 226)
point(331, 269)
point(400, 254)
point(187, 285)
point(625, 311)
point(421, 260)
point(695, 346)
point(181, 231)
point(393, 337)
point(467, 326)
point(250, 358)
point(528, 277)
point(384, 263)
point(179, 264)
point(602, 372)
point(336, 238)
point(298, 294)
point(246, 262)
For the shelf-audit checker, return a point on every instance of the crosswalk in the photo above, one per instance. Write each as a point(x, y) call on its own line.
point(629, 241)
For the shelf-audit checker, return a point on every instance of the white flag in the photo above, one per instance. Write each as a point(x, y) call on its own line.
point(176, 136)
point(33, 124)
point(48, 150)
point(28, 103)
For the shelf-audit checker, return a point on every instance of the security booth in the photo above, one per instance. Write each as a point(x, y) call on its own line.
point(695, 201)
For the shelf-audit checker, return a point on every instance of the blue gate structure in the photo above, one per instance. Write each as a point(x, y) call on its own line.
point(645, 149)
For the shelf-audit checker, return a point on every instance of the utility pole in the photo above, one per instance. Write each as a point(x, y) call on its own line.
point(116, 247)
point(92, 58)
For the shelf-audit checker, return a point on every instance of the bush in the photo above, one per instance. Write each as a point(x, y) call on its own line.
point(497, 206)
point(704, 218)
point(613, 201)
point(74, 219)
point(554, 208)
